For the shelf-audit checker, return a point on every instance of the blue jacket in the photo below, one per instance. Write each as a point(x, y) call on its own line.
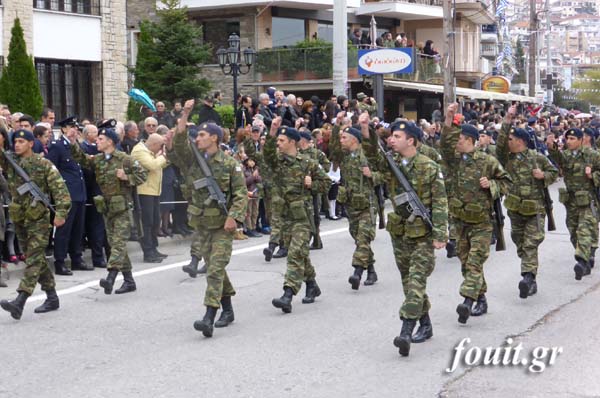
point(59, 153)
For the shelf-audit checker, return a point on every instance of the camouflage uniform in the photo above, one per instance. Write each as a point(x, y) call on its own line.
point(116, 201)
point(579, 196)
point(471, 207)
point(32, 223)
point(372, 109)
point(206, 217)
point(291, 171)
point(490, 150)
point(356, 193)
point(525, 199)
point(430, 152)
point(319, 157)
point(413, 241)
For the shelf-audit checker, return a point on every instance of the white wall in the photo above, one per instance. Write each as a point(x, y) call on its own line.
point(422, 35)
point(2, 30)
point(66, 36)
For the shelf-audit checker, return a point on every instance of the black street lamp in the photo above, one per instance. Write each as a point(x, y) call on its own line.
point(231, 58)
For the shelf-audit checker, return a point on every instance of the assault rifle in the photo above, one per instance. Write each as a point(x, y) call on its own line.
point(380, 205)
point(498, 225)
point(208, 182)
point(29, 186)
point(409, 197)
point(546, 194)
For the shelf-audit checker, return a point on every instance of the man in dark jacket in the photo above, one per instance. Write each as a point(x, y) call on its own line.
point(207, 113)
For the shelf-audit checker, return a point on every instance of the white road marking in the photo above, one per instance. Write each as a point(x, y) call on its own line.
point(161, 268)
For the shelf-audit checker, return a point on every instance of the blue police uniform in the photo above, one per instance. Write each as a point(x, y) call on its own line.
point(94, 222)
point(68, 237)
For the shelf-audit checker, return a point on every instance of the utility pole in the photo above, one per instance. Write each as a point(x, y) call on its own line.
point(532, 47)
point(340, 47)
point(448, 32)
point(549, 93)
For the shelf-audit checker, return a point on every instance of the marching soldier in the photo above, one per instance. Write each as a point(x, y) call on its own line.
point(589, 142)
point(305, 148)
point(530, 172)
point(31, 218)
point(356, 192)
point(299, 177)
point(485, 143)
point(412, 240)
point(581, 168)
point(214, 228)
point(478, 180)
point(116, 174)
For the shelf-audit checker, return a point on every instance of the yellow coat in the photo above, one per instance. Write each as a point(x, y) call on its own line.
point(154, 165)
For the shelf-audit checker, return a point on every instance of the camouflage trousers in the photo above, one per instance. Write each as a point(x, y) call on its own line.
point(276, 219)
point(299, 267)
point(415, 261)
point(33, 238)
point(118, 228)
point(527, 233)
point(583, 230)
point(214, 246)
point(473, 249)
point(316, 202)
point(362, 230)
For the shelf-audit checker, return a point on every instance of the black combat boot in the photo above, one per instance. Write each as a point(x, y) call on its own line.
point(481, 307)
point(464, 310)
point(425, 330)
point(354, 279)
point(580, 268)
point(108, 283)
point(226, 313)
point(371, 276)
point(403, 341)
point(592, 259)
point(312, 291)
point(192, 268)
point(159, 254)
point(284, 302)
point(525, 285)
point(317, 243)
point(61, 269)
point(281, 253)
point(16, 306)
point(128, 285)
point(451, 248)
point(51, 303)
point(268, 252)
point(532, 287)
point(206, 324)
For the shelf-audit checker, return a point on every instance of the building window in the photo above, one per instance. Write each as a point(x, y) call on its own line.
point(287, 31)
point(216, 33)
point(89, 7)
point(66, 87)
point(325, 32)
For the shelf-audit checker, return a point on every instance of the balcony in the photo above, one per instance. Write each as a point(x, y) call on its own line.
point(314, 64)
point(480, 12)
point(402, 9)
point(489, 50)
point(299, 4)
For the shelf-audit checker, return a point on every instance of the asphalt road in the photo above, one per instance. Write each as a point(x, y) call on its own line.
point(143, 344)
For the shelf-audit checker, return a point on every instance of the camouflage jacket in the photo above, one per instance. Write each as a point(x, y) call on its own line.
point(290, 173)
point(351, 164)
point(318, 156)
point(265, 170)
point(430, 152)
point(372, 109)
point(490, 150)
point(426, 178)
point(228, 174)
point(47, 178)
point(520, 168)
point(573, 164)
point(466, 170)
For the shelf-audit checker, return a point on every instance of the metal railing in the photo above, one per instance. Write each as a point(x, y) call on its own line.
point(422, 2)
point(86, 7)
point(293, 64)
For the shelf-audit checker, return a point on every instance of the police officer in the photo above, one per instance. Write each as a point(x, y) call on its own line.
point(31, 220)
point(413, 242)
point(356, 192)
point(530, 172)
point(581, 168)
point(478, 180)
point(68, 237)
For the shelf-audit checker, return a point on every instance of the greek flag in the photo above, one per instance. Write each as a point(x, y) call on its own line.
point(502, 4)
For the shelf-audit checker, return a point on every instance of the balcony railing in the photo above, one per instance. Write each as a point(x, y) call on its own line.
point(422, 2)
point(292, 64)
point(489, 50)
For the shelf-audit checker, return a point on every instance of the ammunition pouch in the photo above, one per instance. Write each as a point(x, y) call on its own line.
point(297, 211)
point(186, 192)
point(100, 204)
point(512, 202)
point(529, 207)
point(415, 229)
point(472, 213)
point(277, 203)
point(359, 201)
point(212, 218)
point(117, 204)
point(394, 224)
point(455, 207)
point(342, 195)
point(582, 198)
point(16, 212)
point(401, 205)
point(563, 195)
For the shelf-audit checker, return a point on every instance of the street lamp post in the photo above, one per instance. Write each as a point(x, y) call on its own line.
point(230, 61)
